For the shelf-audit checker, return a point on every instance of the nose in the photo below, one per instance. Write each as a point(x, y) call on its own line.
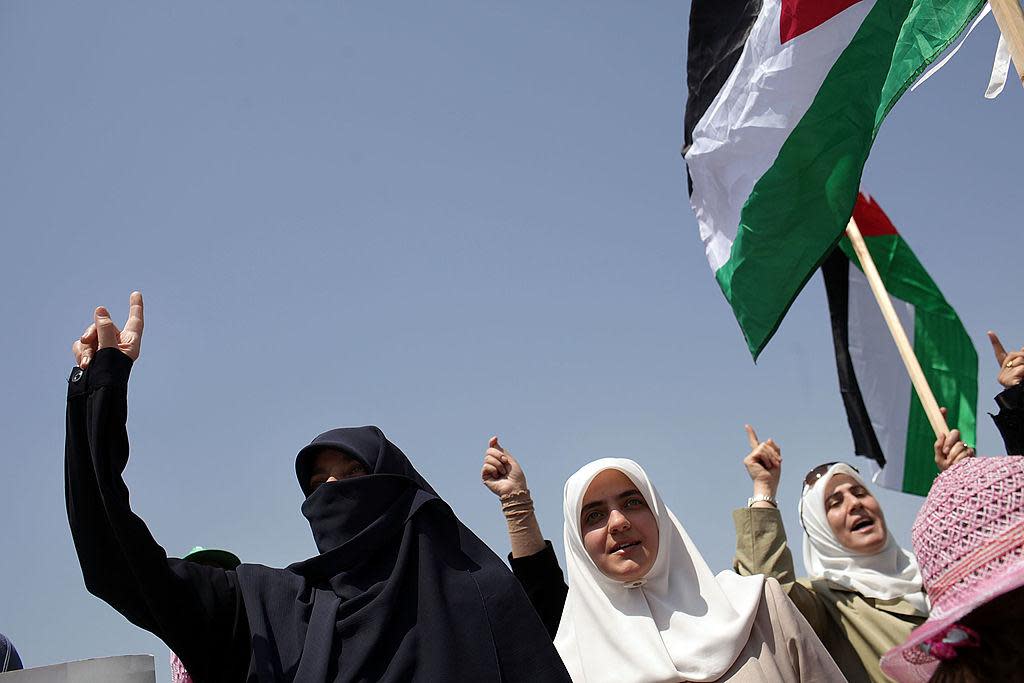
point(617, 522)
point(332, 478)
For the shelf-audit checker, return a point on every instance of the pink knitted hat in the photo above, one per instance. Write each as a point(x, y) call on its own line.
point(969, 541)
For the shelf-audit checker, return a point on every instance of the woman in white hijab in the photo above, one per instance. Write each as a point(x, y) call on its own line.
point(864, 593)
point(641, 604)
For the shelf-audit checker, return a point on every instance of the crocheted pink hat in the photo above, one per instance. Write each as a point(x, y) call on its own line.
point(969, 541)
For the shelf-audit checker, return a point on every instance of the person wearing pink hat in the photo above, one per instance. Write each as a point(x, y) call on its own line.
point(969, 540)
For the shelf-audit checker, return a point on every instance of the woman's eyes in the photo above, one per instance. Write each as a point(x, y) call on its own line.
point(595, 516)
point(592, 516)
point(358, 471)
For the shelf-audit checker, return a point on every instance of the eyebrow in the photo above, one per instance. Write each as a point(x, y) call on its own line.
point(838, 495)
point(853, 488)
point(599, 503)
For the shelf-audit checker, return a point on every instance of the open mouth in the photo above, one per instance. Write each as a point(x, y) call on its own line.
point(863, 524)
point(624, 546)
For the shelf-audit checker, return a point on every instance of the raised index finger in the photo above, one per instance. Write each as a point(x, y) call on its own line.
point(136, 319)
point(751, 436)
point(997, 347)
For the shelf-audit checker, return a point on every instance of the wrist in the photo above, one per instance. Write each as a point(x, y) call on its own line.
point(1011, 398)
point(517, 506)
point(763, 489)
point(109, 367)
point(762, 501)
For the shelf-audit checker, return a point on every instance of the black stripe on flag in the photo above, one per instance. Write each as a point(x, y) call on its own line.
point(718, 32)
point(836, 272)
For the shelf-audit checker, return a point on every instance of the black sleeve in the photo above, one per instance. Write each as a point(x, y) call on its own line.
point(197, 610)
point(541, 578)
point(1010, 419)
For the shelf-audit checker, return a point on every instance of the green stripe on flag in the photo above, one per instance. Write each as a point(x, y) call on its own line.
point(799, 208)
point(942, 346)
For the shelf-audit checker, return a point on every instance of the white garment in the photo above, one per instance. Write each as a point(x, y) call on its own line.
point(888, 574)
point(682, 624)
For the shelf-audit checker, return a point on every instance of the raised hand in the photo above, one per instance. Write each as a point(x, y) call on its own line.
point(103, 333)
point(501, 472)
point(1011, 365)
point(950, 449)
point(763, 463)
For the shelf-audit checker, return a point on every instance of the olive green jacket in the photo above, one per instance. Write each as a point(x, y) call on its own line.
point(856, 630)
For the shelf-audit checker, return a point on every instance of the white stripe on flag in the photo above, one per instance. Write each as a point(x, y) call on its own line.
point(740, 135)
point(883, 380)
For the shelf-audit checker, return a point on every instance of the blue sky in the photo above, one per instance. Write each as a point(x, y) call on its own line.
point(449, 219)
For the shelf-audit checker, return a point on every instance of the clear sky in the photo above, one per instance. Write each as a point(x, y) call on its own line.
point(449, 219)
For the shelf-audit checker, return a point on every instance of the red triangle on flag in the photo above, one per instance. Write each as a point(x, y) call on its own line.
point(870, 219)
point(800, 16)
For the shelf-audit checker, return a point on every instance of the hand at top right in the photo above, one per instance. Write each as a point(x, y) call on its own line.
point(1011, 365)
point(103, 333)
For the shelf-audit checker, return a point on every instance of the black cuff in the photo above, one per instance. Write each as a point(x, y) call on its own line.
point(541, 563)
point(109, 367)
point(1012, 398)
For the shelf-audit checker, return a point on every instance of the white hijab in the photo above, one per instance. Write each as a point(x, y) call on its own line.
point(890, 573)
point(681, 623)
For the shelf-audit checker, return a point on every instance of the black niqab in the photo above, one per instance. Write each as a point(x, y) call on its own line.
point(401, 589)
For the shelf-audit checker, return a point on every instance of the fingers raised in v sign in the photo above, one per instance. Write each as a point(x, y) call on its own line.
point(128, 340)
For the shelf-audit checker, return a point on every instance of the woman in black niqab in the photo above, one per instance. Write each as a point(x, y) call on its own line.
point(401, 590)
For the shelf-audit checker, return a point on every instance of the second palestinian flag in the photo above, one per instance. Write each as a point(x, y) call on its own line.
point(886, 418)
point(785, 99)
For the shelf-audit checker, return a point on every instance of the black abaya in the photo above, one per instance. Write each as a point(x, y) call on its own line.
point(401, 591)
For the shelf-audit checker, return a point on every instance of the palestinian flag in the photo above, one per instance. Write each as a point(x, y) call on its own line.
point(886, 418)
point(785, 99)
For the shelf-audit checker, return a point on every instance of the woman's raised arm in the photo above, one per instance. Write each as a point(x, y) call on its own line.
point(533, 559)
point(502, 474)
point(197, 610)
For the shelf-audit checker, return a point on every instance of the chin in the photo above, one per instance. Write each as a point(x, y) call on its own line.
point(629, 572)
point(632, 572)
point(878, 546)
point(869, 546)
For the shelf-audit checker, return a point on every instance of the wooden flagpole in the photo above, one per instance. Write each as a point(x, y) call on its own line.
point(899, 335)
point(1010, 18)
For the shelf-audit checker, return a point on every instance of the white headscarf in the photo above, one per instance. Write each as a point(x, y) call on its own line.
point(681, 623)
point(888, 574)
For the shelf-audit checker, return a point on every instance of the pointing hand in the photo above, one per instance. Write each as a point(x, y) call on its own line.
point(501, 472)
point(1011, 365)
point(763, 463)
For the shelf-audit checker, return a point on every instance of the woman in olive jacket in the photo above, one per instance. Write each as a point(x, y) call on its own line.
point(864, 595)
